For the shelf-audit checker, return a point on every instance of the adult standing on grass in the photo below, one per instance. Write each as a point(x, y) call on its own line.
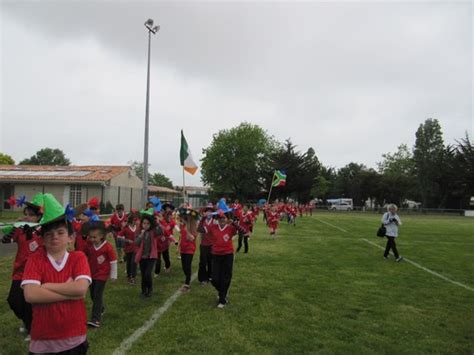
point(391, 220)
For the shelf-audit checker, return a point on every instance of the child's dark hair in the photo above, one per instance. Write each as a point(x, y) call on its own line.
point(55, 225)
point(119, 206)
point(131, 218)
point(150, 219)
point(97, 226)
point(34, 209)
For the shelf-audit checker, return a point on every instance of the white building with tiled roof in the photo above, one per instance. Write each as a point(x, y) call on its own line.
point(72, 184)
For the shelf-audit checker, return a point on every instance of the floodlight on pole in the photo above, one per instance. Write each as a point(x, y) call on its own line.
point(149, 25)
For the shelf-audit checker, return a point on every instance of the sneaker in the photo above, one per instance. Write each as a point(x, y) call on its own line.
point(167, 270)
point(157, 275)
point(204, 283)
point(94, 323)
point(28, 338)
point(132, 282)
point(385, 257)
point(220, 305)
point(400, 258)
point(185, 289)
point(22, 330)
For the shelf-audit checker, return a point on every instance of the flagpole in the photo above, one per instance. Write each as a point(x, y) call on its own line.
point(184, 189)
point(271, 187)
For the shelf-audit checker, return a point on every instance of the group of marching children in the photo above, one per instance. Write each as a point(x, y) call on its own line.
point(63, 252)
point(273, 214)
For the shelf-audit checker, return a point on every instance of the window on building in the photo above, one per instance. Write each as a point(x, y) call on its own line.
point(75, 195)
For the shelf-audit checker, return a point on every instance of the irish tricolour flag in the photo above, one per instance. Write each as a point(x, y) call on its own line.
point(279, 179)
point(187, 161)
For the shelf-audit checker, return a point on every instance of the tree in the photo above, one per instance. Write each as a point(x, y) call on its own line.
point(349, 182)
point(236, 161)
point(301, 170)
point(460, 173)
point(138, 168)
point(47, 156)
point(5, 159)
point(429, 153)
point(398, 181)
point(159, 179)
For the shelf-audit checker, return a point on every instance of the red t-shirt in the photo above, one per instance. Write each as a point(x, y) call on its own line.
point(81, 243)
point(273, 217)
point(100, 259)
point(221, 238)
point(25, 249)
point(186, 246)
point(130, 233)
point(164, 240)
point(206, 238)
point(58, 320)
point(116, 221)
point(245, 221)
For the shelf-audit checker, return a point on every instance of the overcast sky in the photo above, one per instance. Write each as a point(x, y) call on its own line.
point(353, 80)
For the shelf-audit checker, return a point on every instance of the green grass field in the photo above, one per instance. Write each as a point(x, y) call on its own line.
point(313, 289)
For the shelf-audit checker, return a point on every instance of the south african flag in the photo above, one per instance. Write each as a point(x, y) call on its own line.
point(279, 178)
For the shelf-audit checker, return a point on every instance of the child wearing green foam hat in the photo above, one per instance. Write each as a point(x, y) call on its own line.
point(55, 282)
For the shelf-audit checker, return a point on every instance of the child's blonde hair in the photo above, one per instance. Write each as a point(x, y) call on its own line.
point(392, 205)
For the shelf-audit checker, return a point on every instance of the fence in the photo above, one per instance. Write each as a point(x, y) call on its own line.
point(405, 211)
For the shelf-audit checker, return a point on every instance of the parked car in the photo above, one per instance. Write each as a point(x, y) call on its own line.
point(341, 207)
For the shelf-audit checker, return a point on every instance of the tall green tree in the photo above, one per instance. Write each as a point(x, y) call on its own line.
point(47, 156)
point(460, 173)
point(236, 161)
point(5, 159)
point(429, 154)
point(301, 170)
point(349, 182)
point(158, 179)
point(398, 181)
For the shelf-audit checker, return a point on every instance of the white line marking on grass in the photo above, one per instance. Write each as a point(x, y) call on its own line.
point(332, 225)
point(128, 342)
point(408, 260)
point(424, 268)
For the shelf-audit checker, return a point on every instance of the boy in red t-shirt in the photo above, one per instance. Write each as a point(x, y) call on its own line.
point(55, 282)
point(117, 222)
point(103, 264)
point(128, 234)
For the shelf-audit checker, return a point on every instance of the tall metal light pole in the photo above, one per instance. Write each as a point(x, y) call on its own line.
point(151, 29)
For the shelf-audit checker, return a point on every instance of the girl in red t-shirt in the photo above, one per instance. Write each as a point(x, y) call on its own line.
point(29, 242)
point(187, 245)
point(167, 224)
point(273, 218)
point(147, 251)
point(222, 252)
